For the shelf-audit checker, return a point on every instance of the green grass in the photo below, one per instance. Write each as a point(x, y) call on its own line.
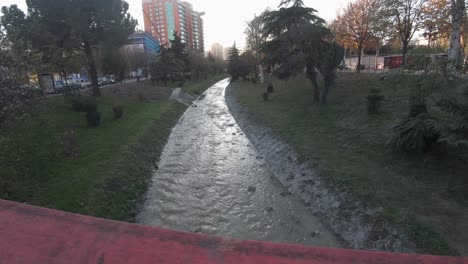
point(348, 147)
point(110, 174)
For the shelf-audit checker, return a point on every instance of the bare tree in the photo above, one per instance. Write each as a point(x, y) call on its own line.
point(407, 16)
point(458, 15)
point(255, 40)
point(381, 29)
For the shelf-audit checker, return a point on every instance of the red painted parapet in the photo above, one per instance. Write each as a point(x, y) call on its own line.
point(36, 235)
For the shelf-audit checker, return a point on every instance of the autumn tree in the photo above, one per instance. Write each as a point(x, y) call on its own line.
point(436, 22)
point(356, 23)
point(407, 19)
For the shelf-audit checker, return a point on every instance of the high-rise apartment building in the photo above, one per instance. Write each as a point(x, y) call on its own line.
point(217, 51)
point(163, 17)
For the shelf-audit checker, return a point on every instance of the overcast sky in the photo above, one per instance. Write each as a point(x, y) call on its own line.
point(225, 19)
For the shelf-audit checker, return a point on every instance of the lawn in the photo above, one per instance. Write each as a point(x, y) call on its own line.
point(110, 166)
point(427, 194)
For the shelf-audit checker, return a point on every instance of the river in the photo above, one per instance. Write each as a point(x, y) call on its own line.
point(212, 181)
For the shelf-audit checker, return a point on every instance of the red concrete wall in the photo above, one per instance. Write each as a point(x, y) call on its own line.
point(36, 235)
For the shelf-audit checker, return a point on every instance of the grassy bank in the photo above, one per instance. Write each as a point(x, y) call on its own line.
point(348, 147)
point(108, 169)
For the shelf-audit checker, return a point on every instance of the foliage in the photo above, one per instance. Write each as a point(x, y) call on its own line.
point(436, 22)
point(181, 52)
point(374, 101)
point(270, 88)
point(355, 25)
point(113, 62)
point(83, 26)
point(199, 65)
point(416, 134)
point(407, 17)
point(167, 67)
point(297, 40)
point(17, 101)
point(17, 58)
point(421, 130)
point(235, 65)
point(172, 63)
point(454, 128)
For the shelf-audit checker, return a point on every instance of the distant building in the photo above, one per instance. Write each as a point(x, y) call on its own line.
point(141, 50)
point(217, 51)
point(227, 51)
point(144, 42)
point(164, 17)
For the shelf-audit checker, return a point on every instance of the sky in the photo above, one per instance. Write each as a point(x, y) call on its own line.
point(225, 19)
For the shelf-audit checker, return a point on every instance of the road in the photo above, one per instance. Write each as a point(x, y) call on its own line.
point(210, 180)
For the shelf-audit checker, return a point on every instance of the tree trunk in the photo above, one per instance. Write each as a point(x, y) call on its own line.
point(377, 55)
point(312, 75)
point(65, 75)
point(455, 51)
point(92, 69)
point(262, 75)
point(358, 70)
point(324, 94)
point(405, 52)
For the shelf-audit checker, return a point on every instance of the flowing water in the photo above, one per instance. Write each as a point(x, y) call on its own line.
point(212, 181)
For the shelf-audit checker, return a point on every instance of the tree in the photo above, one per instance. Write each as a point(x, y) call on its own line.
point(255, 40)
point(436, 22)
point(18, 56)
point(381, 29)
point(167, 67)
point(458, 15)
point(137, 60)
point(113, 62)
point(298, 41)
point(407, 16)
point(198, 64)
point(84, 25)
point(180, 51)
point(234, 61)
point(357, 22)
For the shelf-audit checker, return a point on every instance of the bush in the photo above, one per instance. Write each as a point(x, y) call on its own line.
point(93, 118)
point(90, 106)
point(416, 134)
point(270, 89)
point(374, 101)
point(17, 101)
point(118, 111)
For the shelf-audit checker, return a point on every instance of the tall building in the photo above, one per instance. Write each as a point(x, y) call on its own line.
point(227, 52)
point(217, 51)
point(163, 17)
